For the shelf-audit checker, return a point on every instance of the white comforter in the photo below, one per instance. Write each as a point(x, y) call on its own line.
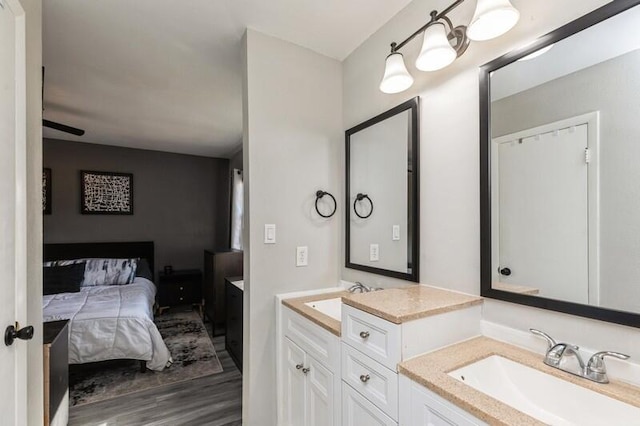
point(110, 322)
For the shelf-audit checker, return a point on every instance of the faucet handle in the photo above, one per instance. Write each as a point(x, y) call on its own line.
point(596, 362)
point(550, 341)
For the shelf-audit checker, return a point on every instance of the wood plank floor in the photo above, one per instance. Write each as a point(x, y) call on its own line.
point(212, 400)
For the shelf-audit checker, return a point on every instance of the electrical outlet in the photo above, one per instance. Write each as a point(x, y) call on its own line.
point(396, 233)
point(270, 234)
point(302, 256)
point(374, 252)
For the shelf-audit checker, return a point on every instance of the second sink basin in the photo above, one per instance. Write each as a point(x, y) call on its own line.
point(540, 395)
point(330, 307)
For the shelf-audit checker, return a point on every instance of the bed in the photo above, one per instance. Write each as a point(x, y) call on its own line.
point(108, 321)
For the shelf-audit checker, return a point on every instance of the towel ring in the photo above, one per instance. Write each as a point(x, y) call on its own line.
point(359, 198)
point(319, 195)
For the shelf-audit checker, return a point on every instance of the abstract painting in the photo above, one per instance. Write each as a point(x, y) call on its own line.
point(46, 191)
point(106, 192)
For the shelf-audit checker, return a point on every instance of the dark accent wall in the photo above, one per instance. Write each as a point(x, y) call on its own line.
point(181, 201)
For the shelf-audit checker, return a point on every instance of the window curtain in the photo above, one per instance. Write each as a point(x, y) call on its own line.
point(237, 209)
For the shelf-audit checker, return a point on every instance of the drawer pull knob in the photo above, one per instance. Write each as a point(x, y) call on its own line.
point(364, 334)
point(299, 366)
point(364, 378)
point(181, 298)
point(181, 288)
point(306, 370)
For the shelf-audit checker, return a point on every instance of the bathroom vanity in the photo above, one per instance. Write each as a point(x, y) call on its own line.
point(416, 356)
point(345, 372)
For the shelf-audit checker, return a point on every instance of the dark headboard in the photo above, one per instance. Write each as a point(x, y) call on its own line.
point(142, 249)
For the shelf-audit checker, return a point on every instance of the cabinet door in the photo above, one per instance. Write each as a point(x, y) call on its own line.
point(320, 392)
point(358, 411)
point(421, 407)
point(294, 384)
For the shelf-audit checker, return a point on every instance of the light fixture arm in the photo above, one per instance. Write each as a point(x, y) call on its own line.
point(435, 16)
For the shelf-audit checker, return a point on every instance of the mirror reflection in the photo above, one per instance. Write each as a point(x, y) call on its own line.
point(381, 193)
point(565, 180)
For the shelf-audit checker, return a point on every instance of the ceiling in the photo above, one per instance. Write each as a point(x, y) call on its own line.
point(166, 75)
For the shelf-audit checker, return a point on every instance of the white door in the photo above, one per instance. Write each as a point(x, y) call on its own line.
point(13, 358)
point(293, 383)
point(319, 394)
point(543, 213)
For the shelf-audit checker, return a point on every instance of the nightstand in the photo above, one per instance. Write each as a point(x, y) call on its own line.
point(181, 287)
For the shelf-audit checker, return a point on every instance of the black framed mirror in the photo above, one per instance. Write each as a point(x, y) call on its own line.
point(559, 199)
point(382, 203)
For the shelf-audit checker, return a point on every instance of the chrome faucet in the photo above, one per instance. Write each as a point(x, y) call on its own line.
point(358, 287)
point(594, 370)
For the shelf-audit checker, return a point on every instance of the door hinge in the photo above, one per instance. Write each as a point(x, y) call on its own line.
point(587, 155)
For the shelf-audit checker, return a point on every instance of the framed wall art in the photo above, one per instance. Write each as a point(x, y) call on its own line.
point(106, 193)
point(46, 191)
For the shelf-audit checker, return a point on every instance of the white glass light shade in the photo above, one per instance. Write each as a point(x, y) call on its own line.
point(396, 77)
point(491, 19)
point(436, 52)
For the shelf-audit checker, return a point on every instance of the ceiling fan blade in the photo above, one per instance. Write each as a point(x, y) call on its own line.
point(62, 127)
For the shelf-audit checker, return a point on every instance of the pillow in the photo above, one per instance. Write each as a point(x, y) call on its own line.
point(105, 271)
point(143, 270)
point(62, 279)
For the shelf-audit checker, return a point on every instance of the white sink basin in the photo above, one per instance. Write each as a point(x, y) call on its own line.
point(547, 398)
point(330, 307)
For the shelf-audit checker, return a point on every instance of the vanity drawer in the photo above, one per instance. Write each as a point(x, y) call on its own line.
point(373, 336)
point(315, 340)
point(377, 383)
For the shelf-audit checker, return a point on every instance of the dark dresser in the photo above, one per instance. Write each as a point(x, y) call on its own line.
point(55, 342)
point(181, 287)
point(219, 265)
point(234, 292)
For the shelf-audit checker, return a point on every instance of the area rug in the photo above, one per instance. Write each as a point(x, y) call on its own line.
point(191, 349)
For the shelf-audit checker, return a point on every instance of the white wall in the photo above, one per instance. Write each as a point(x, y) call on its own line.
point(292, 146)
point(615, 96)
point(449, 156)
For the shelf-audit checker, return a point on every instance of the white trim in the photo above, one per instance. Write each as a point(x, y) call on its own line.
point(592, 120)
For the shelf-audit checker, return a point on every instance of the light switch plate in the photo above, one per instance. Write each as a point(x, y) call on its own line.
point(270, 233)
point(302, 256)
point(396, 233)
point(374, 252)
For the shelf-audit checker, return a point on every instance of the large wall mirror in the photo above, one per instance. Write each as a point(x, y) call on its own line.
point(560, 173)
point(382, 193)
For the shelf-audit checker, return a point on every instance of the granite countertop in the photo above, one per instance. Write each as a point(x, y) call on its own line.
point(515, 288)
point(399, 305)
point(431, 370)
point(325, 321)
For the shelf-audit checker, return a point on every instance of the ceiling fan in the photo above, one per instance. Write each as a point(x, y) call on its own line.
point(53, 124)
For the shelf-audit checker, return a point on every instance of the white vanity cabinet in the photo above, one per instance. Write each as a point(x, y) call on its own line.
point(309, 373)
point(372, 347)
point(421, 407)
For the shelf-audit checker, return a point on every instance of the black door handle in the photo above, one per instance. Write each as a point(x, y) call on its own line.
point(505, 271)
point(11, 334)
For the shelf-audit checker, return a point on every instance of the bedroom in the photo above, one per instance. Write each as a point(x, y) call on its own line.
point(161, 194)
point(303, 73)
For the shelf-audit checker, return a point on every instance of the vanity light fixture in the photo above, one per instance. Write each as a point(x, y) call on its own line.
point(443, 43)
